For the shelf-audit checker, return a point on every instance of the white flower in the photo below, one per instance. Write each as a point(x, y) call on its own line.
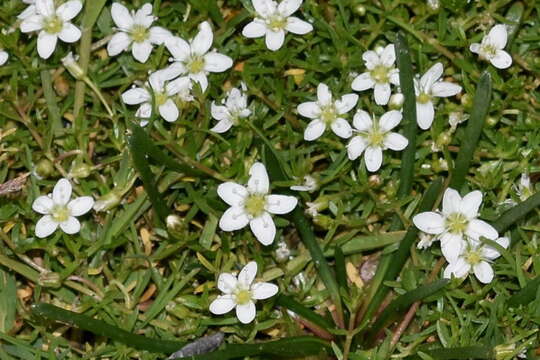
point(426, 240)
point(3, 57)
point(135, 29)
point(374, 136)
point(253, 205)
point(428, 87)
point(53, 23)
point(59, 210)
point(241, 293)
point(163, 92)
point(29, 11)
point(381, 73)
point(273, 21)
point(524, 190)
point(455, 118)
point(492, 47)
point(457, 220)
point(194, 58)
point(327, 112)
point(309, 184)
point(234, 109)
point(476, 257)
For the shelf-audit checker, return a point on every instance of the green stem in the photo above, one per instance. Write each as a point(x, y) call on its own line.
point(516, 213)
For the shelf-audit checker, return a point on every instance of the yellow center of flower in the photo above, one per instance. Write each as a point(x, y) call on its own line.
point(473, 257)
point(380, 74)
point(376, 137)
point(489, 50)
point(161, 98)
point(53, 25)
point(456, 223)
point(243, 297)
point(195, 65)
point(423, 98)
point(60, 213)
point(276, 22)
point(139, 33)
point(254, 205)
point(328, 114)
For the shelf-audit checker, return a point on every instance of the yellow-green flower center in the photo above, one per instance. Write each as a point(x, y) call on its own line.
point(473, 257)
point(243, 297)
point(53, 25)
point(489, 50)
point(423, 98)
point(380, 74)
point(139, 33)
point(328, 114)
point(254, 205)
point(161, 98)
point(276, 22)
point(456, 223)
point(195, 65)
point(60, 213)
point(376, 137)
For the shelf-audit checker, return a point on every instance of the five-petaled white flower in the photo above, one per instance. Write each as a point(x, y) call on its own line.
point(53, 23)
point(476, 257)
point(327, 112)
point(252, 204)
point(193, 59)
point(135, 29)
point(59, 210)
point(456, 223)
point(3, 57)
point(233, 109)
point(492, 47)
point(274, 20)
point(241, 293)
point(428, 87)
point(163, 92)
point(381, 73)
point(374, 136)
point(29, 11)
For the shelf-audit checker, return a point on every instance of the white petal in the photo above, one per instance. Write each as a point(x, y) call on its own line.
point(222, 126)
point(363, 82)
point(144, 111)
point(425, 114)
point(274, 39)
point(470, 204)
point(309, 109)
point(346, 103)
point(32, 23)
point(258, 182)
point(263, 291)
point(43, 205)
point(264, 229)
point(29, 11)
point(201, 79)
point(356, 147)
point(71, 226)
point(62, 192)
point(445, 89)
point(483, 272)
point(3, 57)
point(169, 111)
point(324, 96)
point(118, 43)
point(219, 112)
point(388, 56)
point(216, 62)
point(373, 158)
point(431, 76)
point(45, 7)
point(390, 120)
point(46, 44)
point(159, 35)
point(314, 130)
point(232, 193)
point(452, 246)
point(451, 202)
point(289, 7)
point(429, 222)
point(246, 312)
point(81, 205)
point(498, 36)
point(227, 283)
point(280, 204)
point(371, 59)
point(394, 76)
point(264, 7)
point(121, 16)
point(475, 48)
point(362, 121)
point(136, 96)
point(490, 253)
point(233, 219)
point(247, 274)
point(182, 84)
point(395, 141)
point(222, 304)
point(382, 93)
point(179, 48)
point(478, 228)
point(45, 226)
point(341, 128)
point(459, 268)
point(70, 33)
point(143, 16)
point(69, 10)
point(254, 29)
point(501, 60)
point(202, 42)
point(141, 50)
point(297, 26)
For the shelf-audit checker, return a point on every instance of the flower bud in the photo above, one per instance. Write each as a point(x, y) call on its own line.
point(49, 279)
point(396, 101)
point(107, 201)
point(174, 223)
point(44, 168)
point(80, 170)
point(360, 10)
point(70, 63)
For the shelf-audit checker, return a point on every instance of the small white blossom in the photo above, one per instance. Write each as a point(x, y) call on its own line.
point(381, 73)
point(163, 92)
point(29, 11)
point(3, 57)
point(524, 189)
point(241, 293)
point(327, 112)
point(476, 258)
point(60, 210)
point(194, 59)
point(309, 184)
point(426, 240)
point(456, 221)
point(428, 87)
point(253, 204)
point(274, 20)
point(53, 23)
point(234, 108)
point(492, 47)
point(70, 63)
point(373, 136)
point(455, 118)
point(135, 29)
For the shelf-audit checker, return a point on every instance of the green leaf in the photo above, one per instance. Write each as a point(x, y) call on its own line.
point(299, 309)
point(457, 353)
point(514, 16)
point(341, 274)
point(518, 212)
point(525, 295)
